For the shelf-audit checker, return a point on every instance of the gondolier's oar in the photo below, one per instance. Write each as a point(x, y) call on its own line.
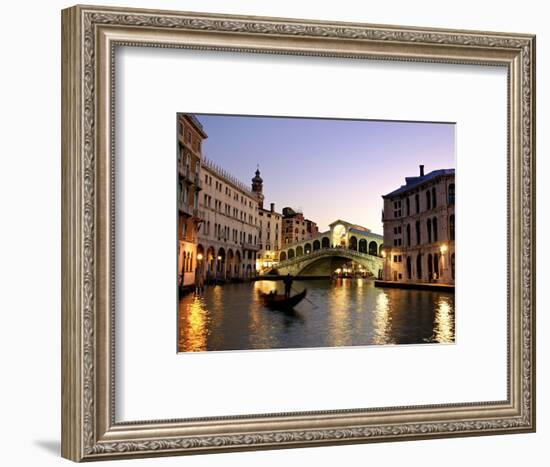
point(315, 306)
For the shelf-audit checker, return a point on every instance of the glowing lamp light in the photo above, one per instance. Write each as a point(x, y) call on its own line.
point(199, 256)
point(383, 253)
point(219, 258)
point(443, 248)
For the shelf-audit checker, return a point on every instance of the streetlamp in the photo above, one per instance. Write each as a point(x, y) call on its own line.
point(220, 270)
point(198, 273)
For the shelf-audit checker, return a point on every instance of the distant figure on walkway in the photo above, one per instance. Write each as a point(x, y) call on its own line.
point(288, 285)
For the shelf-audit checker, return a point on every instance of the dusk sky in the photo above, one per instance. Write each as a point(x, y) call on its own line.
point(329, 169)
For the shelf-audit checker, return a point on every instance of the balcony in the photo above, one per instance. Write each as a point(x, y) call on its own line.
point(186, 174)
point(250, 246)
point(197, 181)
point(184, 207)
point(191, 178)
point(198, 213)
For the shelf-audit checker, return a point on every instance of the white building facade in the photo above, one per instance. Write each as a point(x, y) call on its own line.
point(228, 239)
point(419, 229)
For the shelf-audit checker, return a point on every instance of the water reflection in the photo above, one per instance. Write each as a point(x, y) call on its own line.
point(382, 321)
point(444, 323)
point(193, 330)
point(343, 312)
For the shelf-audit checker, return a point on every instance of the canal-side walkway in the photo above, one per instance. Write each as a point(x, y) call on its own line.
point(416, 285)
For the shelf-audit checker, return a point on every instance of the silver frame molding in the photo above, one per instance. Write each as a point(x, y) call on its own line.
point(90, 35)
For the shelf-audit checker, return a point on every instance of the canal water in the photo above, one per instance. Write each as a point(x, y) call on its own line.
point(341, 312)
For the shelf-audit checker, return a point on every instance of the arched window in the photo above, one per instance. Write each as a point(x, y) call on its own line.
point(362, 246)
point(434, 201)
point(299, 251)
point(452, 227)
point(452, 193)
point(419, 266)
point(282, 256)
point(307, 248)
point(373, 248)
point(434, 227)
point(428, 200)
point(436, 265)
point(408, 234)
point(353, 243)
point(409, 268)
point(430, 267)
point(429, 228)
point(290, 254)
point(417, 203)
point(408, 206)
point(417, 225)
point(316, 245)
point(325, 242)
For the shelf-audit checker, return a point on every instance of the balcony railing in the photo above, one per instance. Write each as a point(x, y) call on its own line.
point(345, 252)
point(198, 213)
point(184, 207)
point(250, 246)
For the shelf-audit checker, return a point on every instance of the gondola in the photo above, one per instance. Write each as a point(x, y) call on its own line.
point(280, 302)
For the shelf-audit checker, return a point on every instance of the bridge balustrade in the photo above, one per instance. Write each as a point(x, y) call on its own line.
point(324, 252)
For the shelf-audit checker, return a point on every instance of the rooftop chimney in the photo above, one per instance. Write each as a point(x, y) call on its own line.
point(272, 207)
point(421, 170)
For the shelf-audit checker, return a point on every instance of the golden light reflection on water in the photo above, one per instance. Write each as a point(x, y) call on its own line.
point(256, 328)
point(382, 321)
point(335, 313)
point(339, 312)
point(444, 322)
point(193, 325)
point(265, 286)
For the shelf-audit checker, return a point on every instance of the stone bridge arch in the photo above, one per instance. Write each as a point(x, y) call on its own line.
point(327, 257)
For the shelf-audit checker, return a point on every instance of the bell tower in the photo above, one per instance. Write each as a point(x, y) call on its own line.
point(258, 187)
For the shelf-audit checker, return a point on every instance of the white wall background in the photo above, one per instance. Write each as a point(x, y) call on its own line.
point(30, 231)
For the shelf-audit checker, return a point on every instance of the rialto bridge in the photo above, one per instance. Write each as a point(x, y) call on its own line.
point(342, 245)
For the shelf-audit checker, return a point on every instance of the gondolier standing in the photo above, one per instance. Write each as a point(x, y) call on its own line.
point(288, 285)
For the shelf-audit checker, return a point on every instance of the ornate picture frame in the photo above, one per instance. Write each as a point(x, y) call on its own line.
point(89, 37)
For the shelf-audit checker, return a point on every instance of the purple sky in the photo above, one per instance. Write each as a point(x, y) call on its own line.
point(331, 169)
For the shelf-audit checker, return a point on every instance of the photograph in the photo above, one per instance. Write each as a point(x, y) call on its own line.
point(297, 232)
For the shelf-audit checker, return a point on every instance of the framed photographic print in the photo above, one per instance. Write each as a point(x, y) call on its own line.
point(283, 233)
point(328, 281)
